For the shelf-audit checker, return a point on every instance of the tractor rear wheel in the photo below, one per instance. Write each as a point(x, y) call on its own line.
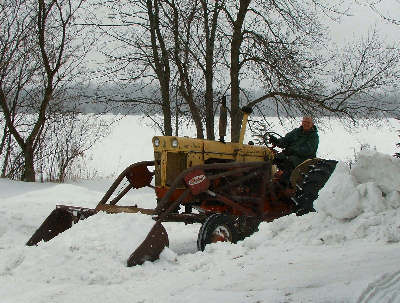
point(217, 228)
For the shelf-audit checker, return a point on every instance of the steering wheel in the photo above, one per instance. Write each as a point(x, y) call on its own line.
point(267, 136)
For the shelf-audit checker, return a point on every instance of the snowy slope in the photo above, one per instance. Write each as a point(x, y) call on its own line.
point(348, 251)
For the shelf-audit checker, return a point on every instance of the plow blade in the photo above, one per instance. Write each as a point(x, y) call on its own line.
point(59, 220)
point(151, 247)
point(157, 238)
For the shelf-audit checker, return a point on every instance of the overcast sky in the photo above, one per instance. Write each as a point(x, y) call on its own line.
point(363, 19)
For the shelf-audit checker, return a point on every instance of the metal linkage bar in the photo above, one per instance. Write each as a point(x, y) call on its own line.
point(206, 167)
point(119, 179)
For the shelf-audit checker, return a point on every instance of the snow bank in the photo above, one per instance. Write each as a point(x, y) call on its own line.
point(94, 251)
point(358, 203)
point(368, 187)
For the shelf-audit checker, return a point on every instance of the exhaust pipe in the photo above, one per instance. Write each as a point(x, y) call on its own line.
point(222, 120)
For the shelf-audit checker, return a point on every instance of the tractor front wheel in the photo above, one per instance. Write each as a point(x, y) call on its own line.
point(217, 228)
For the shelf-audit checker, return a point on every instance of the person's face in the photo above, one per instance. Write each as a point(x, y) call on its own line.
point(307, 124)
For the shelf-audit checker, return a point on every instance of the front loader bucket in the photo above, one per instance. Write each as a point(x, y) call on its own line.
point(151, 247)
point(59, 220)
point(157, 238)
point(63, 217)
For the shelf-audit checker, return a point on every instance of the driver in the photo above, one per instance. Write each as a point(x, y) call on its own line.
point(298, 145)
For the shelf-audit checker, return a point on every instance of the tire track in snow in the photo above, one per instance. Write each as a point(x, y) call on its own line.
point(384, 290)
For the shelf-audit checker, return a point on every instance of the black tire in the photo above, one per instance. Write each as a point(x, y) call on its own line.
point(314, 180)
point(247, 226)
point(216, 228)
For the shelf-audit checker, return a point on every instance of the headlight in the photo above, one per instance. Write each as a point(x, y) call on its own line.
point(156, 142)
point(174, 143)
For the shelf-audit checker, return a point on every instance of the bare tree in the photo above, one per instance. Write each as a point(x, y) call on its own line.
point(138, 54)
point(235, 64)
point(278, 47)
point(390, 13)
point(275, 44)
point(211, 17)
point(271, 46)
point(183, 40)
point(39, 49)
point(161, 61)
point(181, 57)
point(194, 27)
point(68, 136)
point(10, 154)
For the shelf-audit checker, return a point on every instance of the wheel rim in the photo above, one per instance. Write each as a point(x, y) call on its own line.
point(221, 234)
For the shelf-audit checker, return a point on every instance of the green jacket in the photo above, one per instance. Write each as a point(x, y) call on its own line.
point(300, 145)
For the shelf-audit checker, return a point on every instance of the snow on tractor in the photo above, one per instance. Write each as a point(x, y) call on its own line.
point(227, 187)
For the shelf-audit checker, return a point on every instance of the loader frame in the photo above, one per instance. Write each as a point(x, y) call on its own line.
point(257, 205)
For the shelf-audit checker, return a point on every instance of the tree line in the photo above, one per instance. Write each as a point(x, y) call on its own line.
point(195, 52)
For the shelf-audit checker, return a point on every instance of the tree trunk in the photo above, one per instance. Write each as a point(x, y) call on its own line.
point(209, 75)
point(235, 90)
point(197, 122)
point(236, 114)
point(161, 63)
point(194, 110)
point(3, 140)
point(166, 108)
point(210, 30)
point(29, 170)
point(7, 149)
point(181, 61)
point(209, 107)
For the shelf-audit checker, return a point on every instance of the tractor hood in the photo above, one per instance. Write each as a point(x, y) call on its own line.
point(210, 148)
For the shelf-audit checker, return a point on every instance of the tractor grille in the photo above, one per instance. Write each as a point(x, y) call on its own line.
point(157, 168)
point(176, 163)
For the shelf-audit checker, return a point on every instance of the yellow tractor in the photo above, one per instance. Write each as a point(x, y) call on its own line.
point(227, 187)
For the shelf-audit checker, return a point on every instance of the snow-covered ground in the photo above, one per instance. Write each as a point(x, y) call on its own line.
point(348, 251)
